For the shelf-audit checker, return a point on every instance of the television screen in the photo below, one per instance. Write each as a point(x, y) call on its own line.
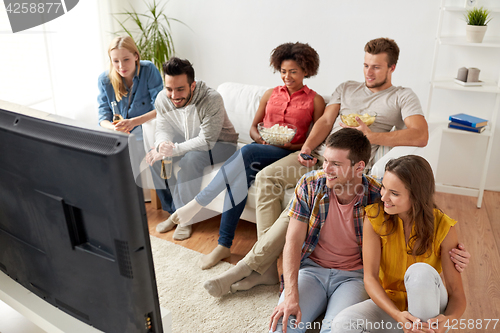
point(73, 226)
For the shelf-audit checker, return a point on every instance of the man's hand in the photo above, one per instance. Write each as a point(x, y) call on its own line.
point(166, 148)
point(460, 257)
point(285, 309)
point(125, 125)
point(307, 163)
point(361, 126)
point(152, 156)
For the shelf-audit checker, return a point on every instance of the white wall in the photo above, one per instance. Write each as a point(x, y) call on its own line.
point(54, 67)
point(231, 40)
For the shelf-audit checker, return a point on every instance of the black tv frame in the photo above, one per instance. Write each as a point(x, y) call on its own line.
point(73, 226)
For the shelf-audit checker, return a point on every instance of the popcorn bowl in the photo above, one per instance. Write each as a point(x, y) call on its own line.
point(278, 134)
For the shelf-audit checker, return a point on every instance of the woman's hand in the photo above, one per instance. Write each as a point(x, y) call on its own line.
point(408, 321)
point(261, 141)
point(287, 145)
point(435, 325)
point(125, 125)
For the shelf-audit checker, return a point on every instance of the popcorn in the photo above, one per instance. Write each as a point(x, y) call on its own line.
point(277, 134)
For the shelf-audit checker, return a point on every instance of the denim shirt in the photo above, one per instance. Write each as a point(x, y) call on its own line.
point(142, 98)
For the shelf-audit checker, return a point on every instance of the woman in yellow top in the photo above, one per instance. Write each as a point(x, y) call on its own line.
point(406, 241)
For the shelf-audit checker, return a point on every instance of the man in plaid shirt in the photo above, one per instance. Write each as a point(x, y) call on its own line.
point(325, 270)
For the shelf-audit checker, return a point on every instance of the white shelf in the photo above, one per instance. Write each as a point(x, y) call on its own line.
point(487, 87)
point(488, 42)
point(459, 40)
point(471, 192)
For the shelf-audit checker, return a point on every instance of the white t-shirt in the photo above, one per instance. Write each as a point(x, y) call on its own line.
point(392, 105)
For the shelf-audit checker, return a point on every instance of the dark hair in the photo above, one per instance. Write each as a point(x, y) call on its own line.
point(304, 55)
point(416, 174)
point(353, 140)
point(384, 45)
point(176, 66)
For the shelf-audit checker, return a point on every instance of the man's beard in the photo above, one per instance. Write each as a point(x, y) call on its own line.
point(377, 85)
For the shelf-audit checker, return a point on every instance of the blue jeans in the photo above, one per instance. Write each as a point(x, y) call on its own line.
point(182, 188)
point(237, 175)
point(324, 290)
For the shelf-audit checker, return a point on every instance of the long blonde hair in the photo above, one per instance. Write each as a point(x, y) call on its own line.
point(116, 80)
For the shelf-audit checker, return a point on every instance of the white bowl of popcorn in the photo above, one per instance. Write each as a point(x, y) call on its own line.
point(277, 134)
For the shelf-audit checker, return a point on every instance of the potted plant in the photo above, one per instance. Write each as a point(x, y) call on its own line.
point(151, 33)
point(477, 20)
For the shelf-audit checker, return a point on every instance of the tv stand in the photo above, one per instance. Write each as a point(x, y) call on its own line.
point(47, 316)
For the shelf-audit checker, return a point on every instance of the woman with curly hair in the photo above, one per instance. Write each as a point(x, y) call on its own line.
point(293, 103)
point(406, 241)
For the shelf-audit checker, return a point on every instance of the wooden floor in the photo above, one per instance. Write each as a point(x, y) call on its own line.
point(478, 229)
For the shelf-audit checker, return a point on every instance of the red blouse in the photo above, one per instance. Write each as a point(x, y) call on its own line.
point(297, 109)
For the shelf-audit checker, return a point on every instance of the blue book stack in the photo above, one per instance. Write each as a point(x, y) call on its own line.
point(467, 122)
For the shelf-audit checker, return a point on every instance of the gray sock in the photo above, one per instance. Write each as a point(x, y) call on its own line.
point(220, 285)
point(269, 277)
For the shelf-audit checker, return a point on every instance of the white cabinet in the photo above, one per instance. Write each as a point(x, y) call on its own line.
point(464, 157)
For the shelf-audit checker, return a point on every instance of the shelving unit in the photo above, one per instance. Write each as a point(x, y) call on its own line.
point(488, 87)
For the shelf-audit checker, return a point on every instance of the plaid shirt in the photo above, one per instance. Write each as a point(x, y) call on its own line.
point(311, 202)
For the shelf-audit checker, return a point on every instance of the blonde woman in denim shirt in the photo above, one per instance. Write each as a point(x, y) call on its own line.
point(131, 83)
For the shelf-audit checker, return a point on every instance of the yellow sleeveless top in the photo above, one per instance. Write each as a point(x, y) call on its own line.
point(395, 260)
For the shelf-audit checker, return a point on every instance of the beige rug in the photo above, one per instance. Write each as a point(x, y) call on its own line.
point(180, 290)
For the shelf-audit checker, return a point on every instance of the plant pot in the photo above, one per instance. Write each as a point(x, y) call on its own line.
point(475, 33)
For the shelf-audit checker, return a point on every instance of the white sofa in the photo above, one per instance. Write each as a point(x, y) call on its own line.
point(241, 102)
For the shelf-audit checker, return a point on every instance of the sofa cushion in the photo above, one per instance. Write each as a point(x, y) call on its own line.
point(241, 102)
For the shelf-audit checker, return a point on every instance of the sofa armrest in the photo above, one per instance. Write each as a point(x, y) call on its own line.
point(378, 168)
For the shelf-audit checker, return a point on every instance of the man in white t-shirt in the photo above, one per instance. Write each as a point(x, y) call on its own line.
point(396, 107)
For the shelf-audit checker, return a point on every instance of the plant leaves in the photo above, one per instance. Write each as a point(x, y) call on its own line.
point(152, 33)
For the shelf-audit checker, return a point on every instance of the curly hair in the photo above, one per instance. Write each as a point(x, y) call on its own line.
point(303, 54)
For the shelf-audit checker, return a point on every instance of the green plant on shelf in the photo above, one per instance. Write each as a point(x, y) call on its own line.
point(477, 16)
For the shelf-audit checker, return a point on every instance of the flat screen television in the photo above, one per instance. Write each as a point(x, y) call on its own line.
point(73, 226)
